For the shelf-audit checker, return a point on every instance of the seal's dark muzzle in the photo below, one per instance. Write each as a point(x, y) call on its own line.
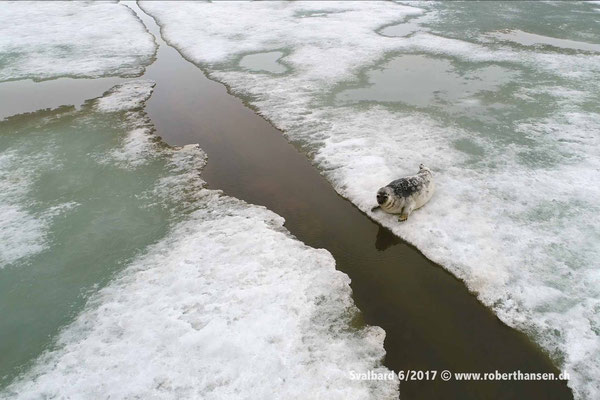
point(381, 199)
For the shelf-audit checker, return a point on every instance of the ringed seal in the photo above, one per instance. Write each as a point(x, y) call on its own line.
point(405, 195)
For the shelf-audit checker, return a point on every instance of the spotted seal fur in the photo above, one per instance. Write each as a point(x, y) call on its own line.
point(405, 195)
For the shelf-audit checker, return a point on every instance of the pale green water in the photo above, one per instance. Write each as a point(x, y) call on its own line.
point(485, 99)
point(560, 19)
point(82, 207)
point(488, 96)
point(264, 62)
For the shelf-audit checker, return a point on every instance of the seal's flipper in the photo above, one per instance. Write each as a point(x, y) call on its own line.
point(375, 208)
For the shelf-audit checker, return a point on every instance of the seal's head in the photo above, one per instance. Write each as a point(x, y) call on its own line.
point(383, 195)
point(423, 168)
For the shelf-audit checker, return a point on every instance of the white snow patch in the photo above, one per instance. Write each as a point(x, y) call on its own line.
point(532, 39)
point(23, 228)
point(126, 96)
point(228, 306)
point(139, 145)
point(43, 40)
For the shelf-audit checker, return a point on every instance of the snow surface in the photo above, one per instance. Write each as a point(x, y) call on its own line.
point(23, 231)
point(139, 145)
point(43, 40)
point(126, 96)
point(227, 306)
point(524, 238)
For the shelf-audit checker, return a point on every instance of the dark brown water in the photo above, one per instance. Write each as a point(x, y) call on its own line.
point(24, 96)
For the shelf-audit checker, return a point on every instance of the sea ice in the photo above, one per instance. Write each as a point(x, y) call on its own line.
point(44, 40)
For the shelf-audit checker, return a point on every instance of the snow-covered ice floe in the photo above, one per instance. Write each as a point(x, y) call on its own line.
point(517, 162)
point(43, 40)
point(226, 305)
